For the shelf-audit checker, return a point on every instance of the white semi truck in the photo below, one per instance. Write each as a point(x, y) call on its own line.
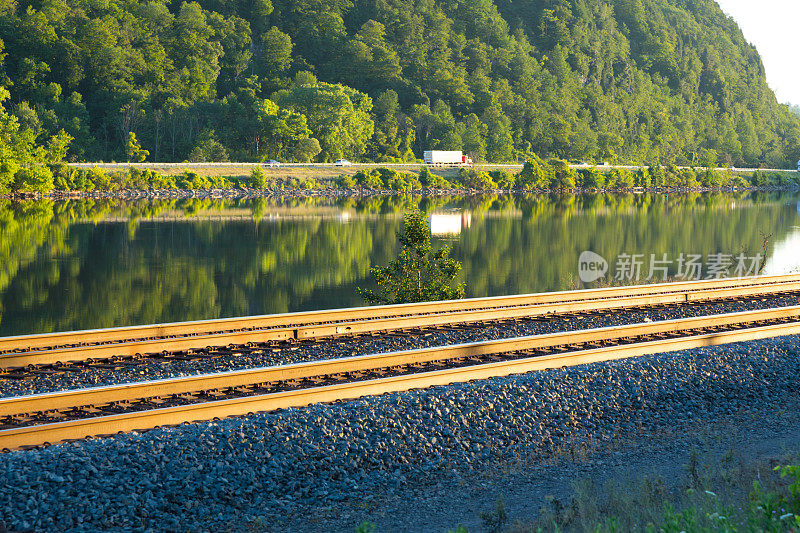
point(446, 158)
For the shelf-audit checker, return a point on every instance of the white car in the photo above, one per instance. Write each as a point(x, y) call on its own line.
point(272, 163)
point(342, 163)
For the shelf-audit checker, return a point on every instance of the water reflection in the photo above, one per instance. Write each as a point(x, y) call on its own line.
point(449, 224)
point(785, 257)
point(85, 263)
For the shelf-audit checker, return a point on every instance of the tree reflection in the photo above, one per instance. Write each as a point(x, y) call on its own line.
point(97, 263)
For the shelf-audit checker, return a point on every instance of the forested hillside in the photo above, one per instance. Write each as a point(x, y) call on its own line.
point(629, 80)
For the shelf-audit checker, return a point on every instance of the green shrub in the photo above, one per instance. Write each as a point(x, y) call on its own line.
point(191, 180)
point(258, 179)
point(657, 176)
point(495, 521)
point(419, 274)
point(161, 182)
point(137, 179)
point(345, 181)
point(397, 183)
point(369, 180)
point(62, 176)
point(535, 174)
point(591, 178)
point(620, 178)
point(426, 177)
point(689, 178)
point(711, 178)
point(759, 179)
point(366, 527)
point(35, 179)
point(80, 181)
point(563, 177)
point(385, 174)
point(99, 179)
point(469, 177)
point(431, 180)
point(503, 178)
point(776, 178)
point(403, 182)
point(641, 178)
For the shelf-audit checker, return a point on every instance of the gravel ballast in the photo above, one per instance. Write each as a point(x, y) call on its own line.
point(274, 471)
point(367, 345)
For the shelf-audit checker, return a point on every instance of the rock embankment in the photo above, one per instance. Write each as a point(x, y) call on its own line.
point(268, 470)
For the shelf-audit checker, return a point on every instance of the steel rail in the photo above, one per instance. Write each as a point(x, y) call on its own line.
point(315, 324)
point(284, 320)
point(746, 327)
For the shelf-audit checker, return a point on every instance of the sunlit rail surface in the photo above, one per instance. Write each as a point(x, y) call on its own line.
point(55, 417)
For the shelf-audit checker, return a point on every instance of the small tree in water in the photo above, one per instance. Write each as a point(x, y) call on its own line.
point(418, 274)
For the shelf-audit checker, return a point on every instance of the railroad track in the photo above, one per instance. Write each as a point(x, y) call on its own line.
point(30, 421)
point(67, 351)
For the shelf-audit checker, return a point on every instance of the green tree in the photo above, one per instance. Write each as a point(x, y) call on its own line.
point(370, 58)
point(257, 127)
point(276, 53)
point(134, 150)
point(208, 148)
point(418, 274)
point(563, 176)
point(609, 145)
point(591, 178)
point(258, 179)
point(57, 147)
point(306, 149)
point(657, 176)
point(708, 158)
point(535, 174)
point(394, 132)
point(338, 116)
point(22, 160)
point(469, 177)
point(473, 136)
point(499, 142)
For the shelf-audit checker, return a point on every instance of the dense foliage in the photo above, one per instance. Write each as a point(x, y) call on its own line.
point(536, 175)
point(23, 162)
point(669, 81)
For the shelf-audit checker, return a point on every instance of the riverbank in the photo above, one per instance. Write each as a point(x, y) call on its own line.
point(361, 192)
point(535, 177)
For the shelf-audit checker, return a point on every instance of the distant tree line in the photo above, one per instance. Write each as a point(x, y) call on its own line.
point(640, 81)
point(535, 176)
point(557, 175)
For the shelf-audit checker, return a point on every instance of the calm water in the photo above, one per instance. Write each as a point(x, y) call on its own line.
point(87, 264)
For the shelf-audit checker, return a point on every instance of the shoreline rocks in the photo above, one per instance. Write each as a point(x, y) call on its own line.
point(246, 193)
